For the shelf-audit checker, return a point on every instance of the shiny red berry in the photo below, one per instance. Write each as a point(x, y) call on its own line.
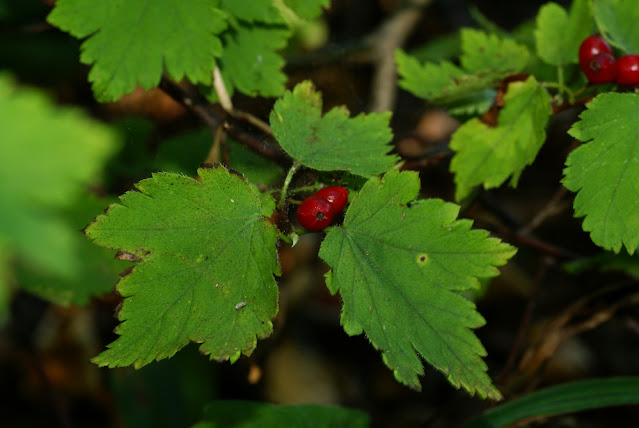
point(335, 195)
point(590, 48)
point(601, 69)
point(315, 213)
point(628, 70)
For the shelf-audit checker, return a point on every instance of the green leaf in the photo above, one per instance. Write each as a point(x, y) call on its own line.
point(307, 9)
point(444, 82)
point(207, 260)
point(251, 63)
point(606, 262)
point(333, 141)
point(605, 170)
point(399, 265)
point(253, 10)
point(481, 51)
point(617, 21)
point(489, 155)
point(246, 414)
point(131, 43)
point(486, 60)
point(48, 155)
point(559, 35)
point(568, 398)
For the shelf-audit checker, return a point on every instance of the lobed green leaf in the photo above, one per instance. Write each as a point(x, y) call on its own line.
point(482, 51)
point(131, 43)
point(399, 265)
point(486, 60)
point(617, 21)
point(489, 155)
point(250, 61)
point(332, 141)
point(605, 170)
point(253, 11)
point(558, 34)
point(206, 263)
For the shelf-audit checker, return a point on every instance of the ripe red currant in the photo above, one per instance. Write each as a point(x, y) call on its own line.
point(628, 70)
point(590, 48)
point(315, 213)
point(335, 195)
point(601, 69)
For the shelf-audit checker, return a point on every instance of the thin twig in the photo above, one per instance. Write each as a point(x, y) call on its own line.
point(287, 182)
point(553, 207)
point(220, 89)
point(559, 328)
point(253, 120)
point(215, 117)
point(391, 35)
point(526, 318)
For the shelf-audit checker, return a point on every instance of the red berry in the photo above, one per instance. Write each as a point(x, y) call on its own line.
point(315, 213)
point(601, 69)
point(590, 48)
point(336, 196)
point(628, 70)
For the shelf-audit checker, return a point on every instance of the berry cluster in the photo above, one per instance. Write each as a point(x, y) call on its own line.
point(317, 211)
point(600, 66)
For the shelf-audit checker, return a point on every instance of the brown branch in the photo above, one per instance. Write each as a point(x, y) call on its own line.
point(524, 324)
point(391, 35)
point(215, 117)
point(553, 207)
point(560, 328)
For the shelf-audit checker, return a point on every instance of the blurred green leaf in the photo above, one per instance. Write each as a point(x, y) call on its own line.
point(49, 154)
point(568, 398)
point(559, 34)
point(617, 21)
point(94, 276)
point(249, 414)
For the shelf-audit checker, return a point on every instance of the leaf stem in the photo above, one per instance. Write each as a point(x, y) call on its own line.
point(284, 237)
point(287, 182)
point(561, 85)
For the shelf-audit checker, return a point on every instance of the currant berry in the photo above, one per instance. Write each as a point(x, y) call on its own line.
point(335, 195)
point(590, 48)
point(315, 213)
point(601, 69)
point(628, 70)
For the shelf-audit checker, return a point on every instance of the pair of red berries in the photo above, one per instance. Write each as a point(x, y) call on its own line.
point(317, 211)
point(600, 66)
